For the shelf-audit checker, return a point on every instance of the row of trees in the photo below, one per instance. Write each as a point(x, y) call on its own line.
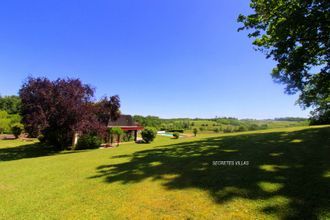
point(56, 110)
point(223, 124)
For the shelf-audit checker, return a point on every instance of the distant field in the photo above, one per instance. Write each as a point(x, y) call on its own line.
point(287, 176)
point(270, 123)
point(209, 126)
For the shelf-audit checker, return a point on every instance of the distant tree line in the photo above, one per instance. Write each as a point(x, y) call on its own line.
point(223, 124)
point(290, 119)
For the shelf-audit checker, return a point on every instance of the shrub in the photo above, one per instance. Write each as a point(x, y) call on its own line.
point(253, 127)
point(228, 130)
point(17, 129)
point(116, 131)
point(201, 129)
point(264, 126)
point(176, 135)
point(41, 138)
point(89, 141)
point(195, 131)
point(149, 134)
point(242, 128)
point(4, 122)
point(216, 130)
point(127, 137)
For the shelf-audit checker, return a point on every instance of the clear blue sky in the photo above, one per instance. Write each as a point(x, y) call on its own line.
point(167, 57)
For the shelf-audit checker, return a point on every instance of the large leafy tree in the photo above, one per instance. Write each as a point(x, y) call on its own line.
point(107, 109)
point(296, 34)
point(57, 109)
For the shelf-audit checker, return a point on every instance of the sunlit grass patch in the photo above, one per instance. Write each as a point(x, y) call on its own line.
point(272, 167)
point(172, 179)
point(270, 187)
point(326, 174)
point(296, 141)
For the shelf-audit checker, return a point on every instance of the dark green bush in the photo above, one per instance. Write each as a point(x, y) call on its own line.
point(176, 135)
point(17, 129)
point(195, 131)
point(89, 141)
point(149, 134)
point(41, 138)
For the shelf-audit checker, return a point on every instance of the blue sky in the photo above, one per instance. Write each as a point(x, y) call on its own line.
point(167, 58)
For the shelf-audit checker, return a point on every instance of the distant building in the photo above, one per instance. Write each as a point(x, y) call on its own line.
point(126, 123)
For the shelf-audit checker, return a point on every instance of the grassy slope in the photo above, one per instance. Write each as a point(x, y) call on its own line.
point(288, 176)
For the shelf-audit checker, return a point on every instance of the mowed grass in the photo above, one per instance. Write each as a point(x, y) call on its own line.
point(288, 177)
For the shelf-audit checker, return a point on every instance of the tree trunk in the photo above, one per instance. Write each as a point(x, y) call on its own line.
point(74, 140)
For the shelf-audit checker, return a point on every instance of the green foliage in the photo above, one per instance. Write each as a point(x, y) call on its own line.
point(243, 128)
point(253, 127)
point(89, 141)
point(148, 121)
point(228, 129)
point(296, 34)
point(7, 121)
point(216, 130)
point(149, 134)
point(127, 137)
point(195, 131)
point(17, 129)
point(115, 131)
point(320, 116)
point(263, 126)
point(176, 135)
point(41, 138)
point(211, 124)
point(4, 122)
point(290, 119)
point(10, 104)
point(163, 124)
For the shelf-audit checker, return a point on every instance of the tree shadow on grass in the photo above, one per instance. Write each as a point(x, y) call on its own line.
point(294, 166)
point(26, 151)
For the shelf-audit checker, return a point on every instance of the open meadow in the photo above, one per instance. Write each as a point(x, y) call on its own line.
point(278, 173)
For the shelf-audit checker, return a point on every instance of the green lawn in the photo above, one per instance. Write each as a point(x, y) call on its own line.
point(288, 176)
